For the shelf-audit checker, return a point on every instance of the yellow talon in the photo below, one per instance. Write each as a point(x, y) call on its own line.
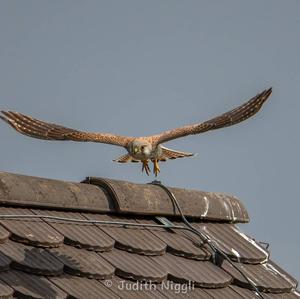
point(156, 168)
point(145, 167)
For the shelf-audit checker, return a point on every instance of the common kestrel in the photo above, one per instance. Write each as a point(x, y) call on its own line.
point(138, 149)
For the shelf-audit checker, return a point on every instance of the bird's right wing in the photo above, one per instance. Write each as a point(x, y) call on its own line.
point(229, 118)
point(43, 130)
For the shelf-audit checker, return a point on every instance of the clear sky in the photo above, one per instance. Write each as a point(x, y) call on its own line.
point(138, 67)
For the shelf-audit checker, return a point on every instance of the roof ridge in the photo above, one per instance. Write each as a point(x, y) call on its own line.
point(103, 195)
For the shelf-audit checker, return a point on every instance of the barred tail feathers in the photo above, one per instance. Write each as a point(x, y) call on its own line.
point(171, 154)
point(125, 159)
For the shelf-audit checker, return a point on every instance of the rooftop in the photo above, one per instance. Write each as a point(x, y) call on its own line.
point(52, 257)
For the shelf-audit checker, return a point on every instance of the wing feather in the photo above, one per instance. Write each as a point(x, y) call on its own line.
point(229, 118)
point(168, 153)
point(43, 130)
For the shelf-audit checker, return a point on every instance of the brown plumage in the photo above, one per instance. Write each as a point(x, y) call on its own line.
point(140, 148)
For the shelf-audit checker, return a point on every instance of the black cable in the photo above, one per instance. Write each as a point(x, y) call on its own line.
point(206, 239)
point(87, 221)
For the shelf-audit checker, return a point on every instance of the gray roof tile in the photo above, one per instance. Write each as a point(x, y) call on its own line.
point(30, 231)
point(82, 262)
point(31, 259)
point(292, 295)
point(131, 239)
point(6, 292)
point(180, 242)
point(174, 290)
point(135, 266)
point(87, 236)
point(234, 242)
point(127, 289)
point(268, 277)
point(31, 286)
point(226, 293)
point(4, 234)
point(46, 258)
point(83, 288)
point(201, 273)
point(148, 199)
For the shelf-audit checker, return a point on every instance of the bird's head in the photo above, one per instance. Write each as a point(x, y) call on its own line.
point(141, 149)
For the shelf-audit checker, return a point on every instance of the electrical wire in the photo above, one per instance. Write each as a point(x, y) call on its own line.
point(206, 239)
point(88, 221)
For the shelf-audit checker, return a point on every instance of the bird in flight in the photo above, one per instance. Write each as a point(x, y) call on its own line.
point(139, 149)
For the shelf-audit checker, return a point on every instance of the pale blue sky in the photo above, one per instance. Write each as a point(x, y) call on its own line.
point(139, 67)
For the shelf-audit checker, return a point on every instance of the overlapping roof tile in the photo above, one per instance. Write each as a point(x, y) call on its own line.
point(6, 291)
point(267, 276)
point(180, 243)
point(54, 258)
point(227, 293)
point(31, 259)
point(78, 287)
point(30, 231)
point(26, 285)
point(132, 239)
point(235, 243)
point(4, 234)
point(128, 289)
point(81, 235)
point(135, 266)
point(83, 263)
point(200, 273)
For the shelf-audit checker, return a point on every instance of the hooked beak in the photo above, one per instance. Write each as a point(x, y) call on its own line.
point(135, 150)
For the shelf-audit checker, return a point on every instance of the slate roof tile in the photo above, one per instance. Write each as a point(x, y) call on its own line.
point(4, 262)
point(201, 273)
point(31, 259)
point(131, 239)
point(180, 242)
point(83, 288)
point(82, 262)
point(226, 293)
point(267, 277)
point(80, 235)
point(30, 231)
point(47, 258)
point(135, 266)
point(247, 294)
point(31, 286)
point(235, 243)
point(292, 295)
point(174, 291)
point(4, 234)
point(127, 289)
point(6, 291)
point(244, 293)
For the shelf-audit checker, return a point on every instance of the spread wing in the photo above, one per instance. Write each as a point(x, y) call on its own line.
point(229, 118)
point(49, 131)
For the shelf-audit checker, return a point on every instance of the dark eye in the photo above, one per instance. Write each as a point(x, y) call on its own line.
point(142, 147)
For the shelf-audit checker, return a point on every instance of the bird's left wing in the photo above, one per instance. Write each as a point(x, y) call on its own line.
point(229, 118)
point(49, 131)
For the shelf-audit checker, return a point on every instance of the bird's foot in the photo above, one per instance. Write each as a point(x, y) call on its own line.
point(146, 167)
point(156, 168)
